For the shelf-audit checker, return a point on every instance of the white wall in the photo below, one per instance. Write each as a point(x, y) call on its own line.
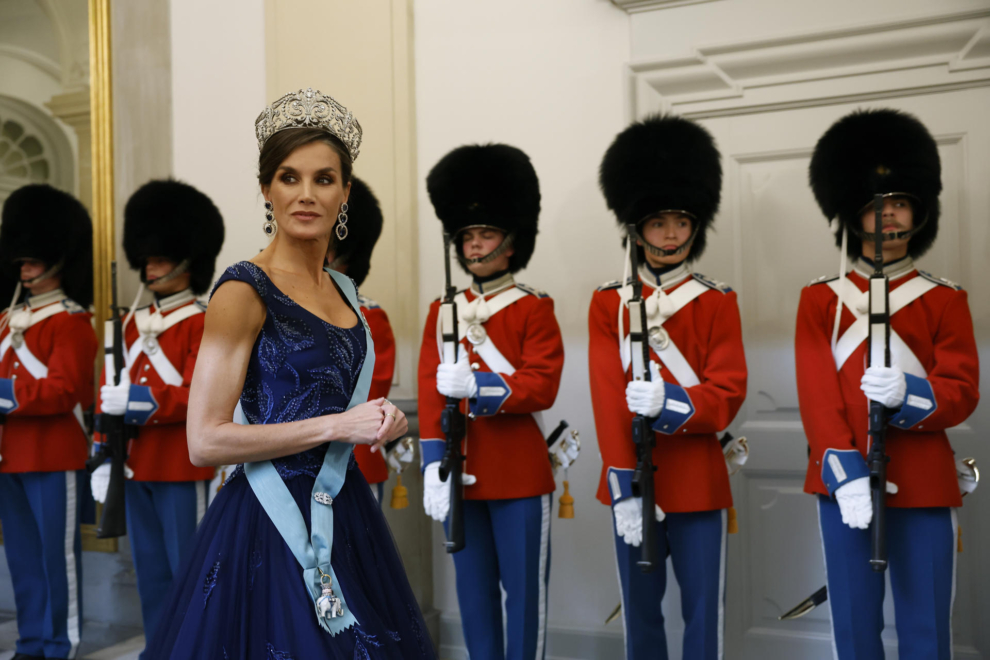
point(545, 77)
point(218, 89)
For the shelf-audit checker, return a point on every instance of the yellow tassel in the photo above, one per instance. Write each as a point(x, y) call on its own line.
point(959, 538)
point(400, 494)
point(566, 503)
point(223, 480)
point(733, 521)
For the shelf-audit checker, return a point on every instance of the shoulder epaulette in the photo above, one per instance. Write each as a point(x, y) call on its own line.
point(72, 307)
point(712, 284)
point(614, 284)
point(940, 280)
point(822, 279)
point(532, 290)
point(367, 303)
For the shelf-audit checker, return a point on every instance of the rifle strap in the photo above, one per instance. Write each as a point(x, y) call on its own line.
point(312, 550)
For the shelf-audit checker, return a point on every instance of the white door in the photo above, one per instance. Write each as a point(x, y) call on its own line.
point(771, 241)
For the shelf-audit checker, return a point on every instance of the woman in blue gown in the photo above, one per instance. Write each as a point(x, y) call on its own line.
point(293, 560)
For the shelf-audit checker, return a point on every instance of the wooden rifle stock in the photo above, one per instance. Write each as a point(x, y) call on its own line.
point(642, 431)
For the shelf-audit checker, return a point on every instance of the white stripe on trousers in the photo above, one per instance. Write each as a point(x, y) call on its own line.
point(541, 635)
point(200, 500)
point(952, 597)
point(831, 622)
point(721, 584)
point(71, 505)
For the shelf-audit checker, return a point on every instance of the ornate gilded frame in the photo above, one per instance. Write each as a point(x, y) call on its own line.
point(101, 118)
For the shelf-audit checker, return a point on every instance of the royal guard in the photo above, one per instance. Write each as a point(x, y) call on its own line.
point(663, 176)
point(510, 360)
point(172, 235)
point(353, 258)
point(47, 355)
point(930, 385)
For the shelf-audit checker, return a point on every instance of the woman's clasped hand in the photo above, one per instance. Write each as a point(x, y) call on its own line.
point(375, 423)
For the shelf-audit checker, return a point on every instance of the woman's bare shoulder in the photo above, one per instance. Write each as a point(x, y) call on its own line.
point(236, 308)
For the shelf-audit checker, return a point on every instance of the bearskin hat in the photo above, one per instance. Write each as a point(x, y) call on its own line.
point(488, 184)
point(365, 226)
point(873, 152)
point(43, 223)
point(173, 220)
point(663, 163)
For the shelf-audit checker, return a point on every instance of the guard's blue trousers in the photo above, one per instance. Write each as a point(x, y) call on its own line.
point(921, 551)
point(40, 516)
point(507, 542)
point(161, 522)
point(696, 543)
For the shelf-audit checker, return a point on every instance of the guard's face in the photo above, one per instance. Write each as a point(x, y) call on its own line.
point(32, 268)
point(482, 241)
point(898, 215)
point(668, 230)
point(307, 192)
point(158, 267)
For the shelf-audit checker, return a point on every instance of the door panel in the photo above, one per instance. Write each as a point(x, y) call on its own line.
point(771, 241)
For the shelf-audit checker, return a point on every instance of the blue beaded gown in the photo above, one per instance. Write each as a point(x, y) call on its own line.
point(240, 595)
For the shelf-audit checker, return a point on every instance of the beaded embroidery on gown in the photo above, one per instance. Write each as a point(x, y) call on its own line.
point(240, 594)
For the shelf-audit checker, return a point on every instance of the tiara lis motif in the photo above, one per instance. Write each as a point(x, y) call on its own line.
point(310, 108)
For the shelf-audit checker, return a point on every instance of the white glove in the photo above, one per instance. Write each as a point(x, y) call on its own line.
point(736, 454)
point(401, 455)
point(967, 475)
point(565, 451)
point(855, 502)
point(885, 385)
point(113, 398)
point(436, 493)
point(646, 398)
point(629, 519)
point(99, 481)
point(457, 380)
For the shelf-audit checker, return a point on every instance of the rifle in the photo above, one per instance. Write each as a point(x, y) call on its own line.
point(878, 355)
point(452, 419)
point(642, 433)
point(115, 432)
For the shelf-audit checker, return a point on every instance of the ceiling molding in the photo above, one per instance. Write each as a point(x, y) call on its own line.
point(34, 58)
point(852, 63)
point(639, 6)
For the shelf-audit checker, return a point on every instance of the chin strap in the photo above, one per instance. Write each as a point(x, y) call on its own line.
point(51, 272)
point(491, 256)
point(660, 252)
point(175, 272)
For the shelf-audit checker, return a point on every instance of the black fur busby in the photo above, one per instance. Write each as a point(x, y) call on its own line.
point(488, 184)
point(173, 220)
point(877, 151)
point(364, 222)
point(663, 163)
point(43, 223)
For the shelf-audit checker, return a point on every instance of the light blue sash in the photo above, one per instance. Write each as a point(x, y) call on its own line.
point(313, 551)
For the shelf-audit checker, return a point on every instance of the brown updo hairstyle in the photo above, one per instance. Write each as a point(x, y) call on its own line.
point(279, 146)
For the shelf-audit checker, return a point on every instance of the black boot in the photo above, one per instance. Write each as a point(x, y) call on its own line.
point(25, 656)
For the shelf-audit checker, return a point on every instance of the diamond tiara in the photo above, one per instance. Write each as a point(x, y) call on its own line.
point(309, 109)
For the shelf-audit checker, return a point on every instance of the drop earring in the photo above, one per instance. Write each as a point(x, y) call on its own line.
point(341, 229)
point(270, 226)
